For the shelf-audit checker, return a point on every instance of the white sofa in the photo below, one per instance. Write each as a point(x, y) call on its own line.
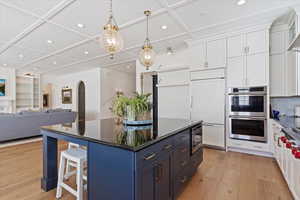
point(27, 124)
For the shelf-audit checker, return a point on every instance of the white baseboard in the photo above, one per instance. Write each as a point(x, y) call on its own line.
point(24, 141)
point(252, 152)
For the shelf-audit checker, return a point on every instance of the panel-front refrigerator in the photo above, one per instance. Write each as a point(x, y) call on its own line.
point(208, 104)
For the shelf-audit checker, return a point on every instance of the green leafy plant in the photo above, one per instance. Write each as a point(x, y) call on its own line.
point(138, 104)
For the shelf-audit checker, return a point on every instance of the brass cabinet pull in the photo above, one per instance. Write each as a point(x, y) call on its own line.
point(153, 155)
point(157, 173)
point(183, 163)
point(183, 180)
point(278, 142)
point(166, 147)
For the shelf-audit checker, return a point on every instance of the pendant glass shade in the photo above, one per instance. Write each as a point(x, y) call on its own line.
point(112, 39)
point(147, 54)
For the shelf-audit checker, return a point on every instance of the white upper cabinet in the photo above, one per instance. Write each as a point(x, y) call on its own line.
point(235, 46)
point(291, 74)
point(257, 42)
point(216, 53)
point(256, 70)
point(248, 58)
point(207, 54)
point(277, 43)
point(235, 72)
point(277, 75)
point(180, 77)
point(196, 55)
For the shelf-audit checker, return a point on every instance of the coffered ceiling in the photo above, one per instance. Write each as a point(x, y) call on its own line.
point(61, 36)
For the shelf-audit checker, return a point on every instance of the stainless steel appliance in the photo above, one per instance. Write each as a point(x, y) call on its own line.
point(248, 128)
point(196, 137)
point(248, 101)
point(248, 113)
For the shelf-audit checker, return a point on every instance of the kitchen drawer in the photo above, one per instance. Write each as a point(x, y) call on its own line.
point(196, 160)
point(181, 157)
point(184, 136)
point(150, 154)
point(181, 181)
point(248, 145)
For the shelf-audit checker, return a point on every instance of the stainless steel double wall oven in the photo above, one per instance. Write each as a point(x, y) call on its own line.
point(248, 113)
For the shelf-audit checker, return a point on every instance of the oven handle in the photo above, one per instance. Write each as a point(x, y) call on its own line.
point(247, 118)
point(248, 94)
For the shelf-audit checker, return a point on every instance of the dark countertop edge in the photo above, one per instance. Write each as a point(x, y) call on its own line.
point(134, 149)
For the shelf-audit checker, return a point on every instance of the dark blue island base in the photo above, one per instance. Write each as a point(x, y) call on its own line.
point(155, 168)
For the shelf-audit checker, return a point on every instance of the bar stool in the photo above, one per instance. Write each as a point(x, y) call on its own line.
point(78, 157)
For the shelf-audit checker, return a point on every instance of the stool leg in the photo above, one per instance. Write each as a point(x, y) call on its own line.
point(79, 180)
point(60, 177)
point(68, 169)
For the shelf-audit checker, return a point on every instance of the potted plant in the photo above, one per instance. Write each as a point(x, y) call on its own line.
point(136, 108)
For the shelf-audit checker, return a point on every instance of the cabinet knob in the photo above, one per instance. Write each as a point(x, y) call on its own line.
point(294, 151)
point(288, 145)
point(297, 155)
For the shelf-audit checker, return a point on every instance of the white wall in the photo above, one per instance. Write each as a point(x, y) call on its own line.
point(111, 82)
point(7, 103)
point(101, 86)
point(91, 78)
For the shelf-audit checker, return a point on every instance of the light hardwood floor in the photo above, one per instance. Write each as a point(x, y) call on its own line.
point(222, 176)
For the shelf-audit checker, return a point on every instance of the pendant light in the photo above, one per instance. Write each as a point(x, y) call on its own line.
point(147, 54)
point(112, 39)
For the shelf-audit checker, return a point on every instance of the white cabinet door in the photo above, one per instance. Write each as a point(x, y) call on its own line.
point(256, 70)
point(173, 102)
point(214, 135)
point(216, 53)
point(277, 75)
point(235, 46)
point(235, 72)
point(208, 99)
point(277, 43)
point(196, 55)
point(257, 42)
point(173, 77)
point(291, 74)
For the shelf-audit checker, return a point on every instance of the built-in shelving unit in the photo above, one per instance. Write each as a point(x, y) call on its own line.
point(27, 93)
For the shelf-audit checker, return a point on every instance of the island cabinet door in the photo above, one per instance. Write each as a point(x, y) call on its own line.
point(163, 184)
point(154, 180)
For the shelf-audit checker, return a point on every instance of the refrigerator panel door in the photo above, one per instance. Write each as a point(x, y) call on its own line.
point(208, 100)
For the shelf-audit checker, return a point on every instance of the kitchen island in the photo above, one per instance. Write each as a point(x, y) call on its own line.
point(129, 162)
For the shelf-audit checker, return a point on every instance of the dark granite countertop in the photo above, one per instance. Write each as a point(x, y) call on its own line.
point(134, 138)
point(291, 126)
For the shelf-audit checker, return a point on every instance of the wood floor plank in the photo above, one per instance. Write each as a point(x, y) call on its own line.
point(221, 176)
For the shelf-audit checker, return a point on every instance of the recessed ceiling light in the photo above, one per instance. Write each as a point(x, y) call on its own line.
point(54, 62)
point(4, 64)
point(21, 56)
point(128, 66)
point(170, 51)
point(49, 41)
point(80, 25)
point(241, 2)
point(86, 52)
point(164, 27)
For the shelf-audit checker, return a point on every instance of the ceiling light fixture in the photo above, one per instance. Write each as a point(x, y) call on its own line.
point(241, 2)
point(147, 54)
point(4, 64)
point(54, 62)
point(164, 27)
point(86, 52)
point(170, 51)
point(112, 39)
point(21, 56)
point(80, 25)
point(49, 41)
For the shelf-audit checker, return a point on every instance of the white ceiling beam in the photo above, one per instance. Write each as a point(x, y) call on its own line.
point(107, 55)
point(51, 13)
point(174, 15)
point(123, 26)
